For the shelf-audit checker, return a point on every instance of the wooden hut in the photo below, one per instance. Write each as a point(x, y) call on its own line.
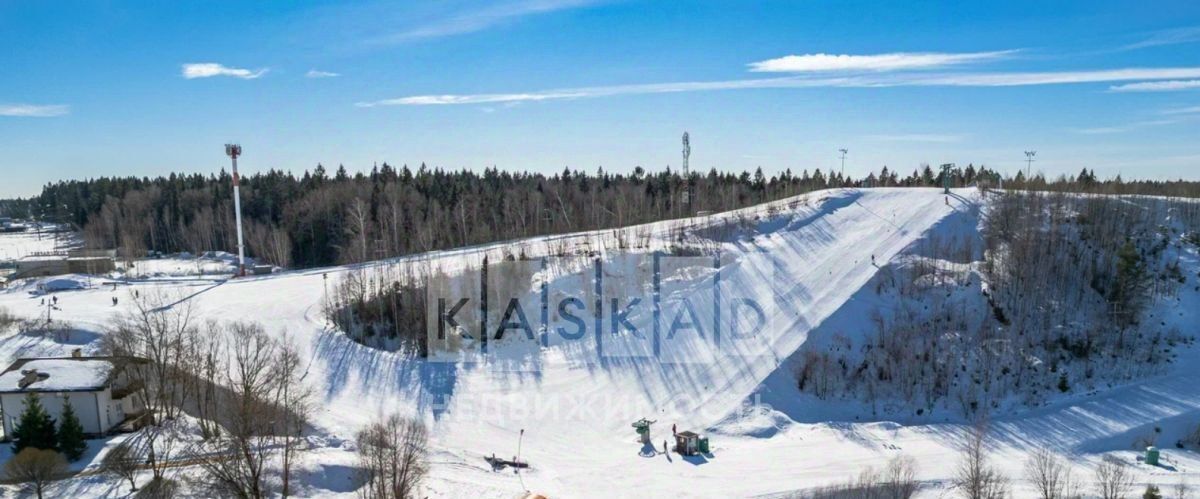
point(687, 443)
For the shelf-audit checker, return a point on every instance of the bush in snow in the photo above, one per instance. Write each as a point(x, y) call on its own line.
point(36, 467)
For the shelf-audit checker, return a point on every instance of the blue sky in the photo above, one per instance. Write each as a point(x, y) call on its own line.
point(144, 88)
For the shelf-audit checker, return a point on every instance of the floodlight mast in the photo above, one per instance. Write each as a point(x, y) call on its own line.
point(687, 185)
point(1029, 164)
point(233, 151)
point(843, 174)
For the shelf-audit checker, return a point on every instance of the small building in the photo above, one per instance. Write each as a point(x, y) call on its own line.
point(687, 443)
point(100, 389)
point(79, 261)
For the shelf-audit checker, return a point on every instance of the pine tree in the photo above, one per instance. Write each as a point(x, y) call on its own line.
point(1132, 281)
point(70, 434)
point(35, 428)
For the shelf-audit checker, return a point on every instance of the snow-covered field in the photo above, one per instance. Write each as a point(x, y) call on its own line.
point(209, 264)
point(14, 245)
point(811, 260)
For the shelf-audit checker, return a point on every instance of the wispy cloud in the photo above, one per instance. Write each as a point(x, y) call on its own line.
point(1157, 86)
point(994, 79)
point(314, 73)
point(1168, 37)
point(470, 17)
point(1182, 110)
point(211, 69)
point(33, 110)
point(917, 137)
point(879, 62)
point(1124, 128)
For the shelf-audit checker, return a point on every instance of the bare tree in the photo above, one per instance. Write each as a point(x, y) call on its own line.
point(159, 328)
point(975, 478)
point(36, 467)
point(1113, 478)
point(1050, 475)
point(263, 409)
point(122, 462)
point(7, 319)
point(295, 406)
point(896, 481)
point(236, 462)
point(900, 478)
point(1182, 489)
point(206, 363)
point(392, 457)
point(159, 443)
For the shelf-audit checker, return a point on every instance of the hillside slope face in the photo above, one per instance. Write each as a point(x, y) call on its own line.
point(726, 329)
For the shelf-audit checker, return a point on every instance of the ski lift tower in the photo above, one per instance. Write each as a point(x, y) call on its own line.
point(687, 180)
point(233, 151)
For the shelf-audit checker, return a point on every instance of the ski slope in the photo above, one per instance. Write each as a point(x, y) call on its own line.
point(807, 258)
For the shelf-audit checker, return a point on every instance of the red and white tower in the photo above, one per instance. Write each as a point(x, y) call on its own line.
point(233, 151)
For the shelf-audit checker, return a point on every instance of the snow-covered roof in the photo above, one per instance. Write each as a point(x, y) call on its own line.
point(61, 374)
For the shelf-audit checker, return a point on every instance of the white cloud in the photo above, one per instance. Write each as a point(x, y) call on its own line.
point(879, 62)
point(859, 81)
point(917, 137)
point(1060, 77)
point(210, 69)
point(33, 111)
point(1168, 37)
point(471, 18)
point(314, 73)
point(1157, 86)
point(1183, 110)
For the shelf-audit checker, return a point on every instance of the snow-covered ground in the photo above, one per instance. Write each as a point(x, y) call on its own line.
point(807, 259)
point(208, 264)
point(15, 245)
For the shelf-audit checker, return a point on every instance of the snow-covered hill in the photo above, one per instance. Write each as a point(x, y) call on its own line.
point(807, 262)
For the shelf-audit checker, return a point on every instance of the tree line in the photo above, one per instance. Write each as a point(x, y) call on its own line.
point(322, 218)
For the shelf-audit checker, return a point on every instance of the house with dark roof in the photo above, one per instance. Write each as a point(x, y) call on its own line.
point(100, 390)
